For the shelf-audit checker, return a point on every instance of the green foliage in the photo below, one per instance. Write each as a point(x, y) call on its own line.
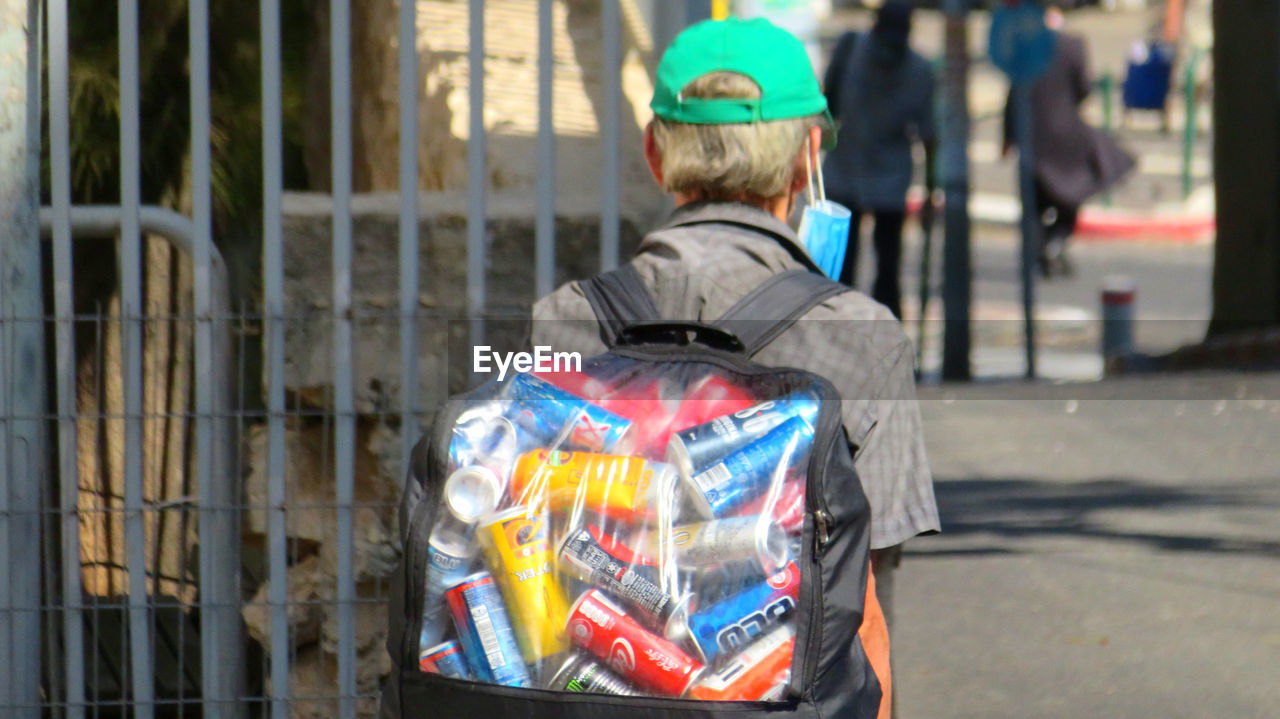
point(164, 104)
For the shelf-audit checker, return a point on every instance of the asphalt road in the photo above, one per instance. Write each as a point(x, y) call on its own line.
point(1109, 549)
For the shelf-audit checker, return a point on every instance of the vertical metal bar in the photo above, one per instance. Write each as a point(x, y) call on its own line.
point(42, 488)
point(1106, 86)
point(142, 669)
point(273, 291)
point(476, 170)
point(610, 131)
point(408, 230)
point(957, 273)
point(1030, 218)
point(64, 309)
point(217, 600)
point(1189, 121)
point(22, 402)
point(545, 221)
point(8, 696)
point(344, 401)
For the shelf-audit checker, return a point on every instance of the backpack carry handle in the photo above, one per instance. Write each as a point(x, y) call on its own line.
point(678, 333)
point(628, 315)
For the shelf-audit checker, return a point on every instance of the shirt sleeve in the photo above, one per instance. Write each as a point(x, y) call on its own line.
point(891, 461)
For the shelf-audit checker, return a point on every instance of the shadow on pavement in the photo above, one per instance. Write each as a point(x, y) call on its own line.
point(982, 516)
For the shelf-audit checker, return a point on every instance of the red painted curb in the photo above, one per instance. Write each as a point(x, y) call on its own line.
point(1109, 225)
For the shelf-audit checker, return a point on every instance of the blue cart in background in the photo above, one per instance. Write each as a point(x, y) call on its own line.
point(1147, 79)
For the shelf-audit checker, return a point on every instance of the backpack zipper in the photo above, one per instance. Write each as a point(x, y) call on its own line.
point(811, 581)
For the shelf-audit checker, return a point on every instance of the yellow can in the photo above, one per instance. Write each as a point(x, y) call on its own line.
point(624, 488)
point(518, 550)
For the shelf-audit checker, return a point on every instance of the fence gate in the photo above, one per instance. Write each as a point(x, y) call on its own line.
point(172, 546)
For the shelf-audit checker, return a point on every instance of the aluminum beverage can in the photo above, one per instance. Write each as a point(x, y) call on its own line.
point(582, 674)
point(695, 449)
point(635, 653)
point(651, 411)
point(483, 438)
point(488, 641)
point(591, 426)
point(718, 583)
point(722, 541)
point(787, 508)
point(745, 473)
point(709, 397)
point(752, 674)
point(778, 691)
point(583, 557)
point(471, 492)
point(577, 383)
point(444, 569)
point(732, 623)
point(623, 488)
point(519, 554)
point(445, 659)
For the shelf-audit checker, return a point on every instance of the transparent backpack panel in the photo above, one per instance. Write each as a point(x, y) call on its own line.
point(633, 529)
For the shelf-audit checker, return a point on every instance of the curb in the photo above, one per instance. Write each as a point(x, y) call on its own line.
point(1096, 223)
point(1100, 224)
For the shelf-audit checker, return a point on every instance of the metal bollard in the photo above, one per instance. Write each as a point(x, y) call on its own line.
point(1118, 292)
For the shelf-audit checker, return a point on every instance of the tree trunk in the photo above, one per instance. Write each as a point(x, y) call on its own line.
point(1246, 153)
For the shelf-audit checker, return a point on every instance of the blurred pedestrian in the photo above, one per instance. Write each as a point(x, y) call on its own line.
point(1073, 161)
point(881, 94)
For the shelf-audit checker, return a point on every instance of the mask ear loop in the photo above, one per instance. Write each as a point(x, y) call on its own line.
point(808, 172)
point(822, 191)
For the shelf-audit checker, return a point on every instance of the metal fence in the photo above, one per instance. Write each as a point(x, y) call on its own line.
point(124, 490)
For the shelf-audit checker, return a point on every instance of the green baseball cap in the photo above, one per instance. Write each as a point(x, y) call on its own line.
point(757, 48)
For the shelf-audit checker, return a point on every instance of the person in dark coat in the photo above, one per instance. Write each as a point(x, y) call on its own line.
point(1073, 161)
point(881, 94)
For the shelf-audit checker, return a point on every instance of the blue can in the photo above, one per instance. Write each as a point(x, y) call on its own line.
point(695, 449)
point(484, 629)
point(445, 568)
point(730, 624)
point(543, 408)
point(744, 474)
point(445, 659)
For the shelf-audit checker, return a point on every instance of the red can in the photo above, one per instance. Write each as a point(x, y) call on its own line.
point(788, 509)
point(635, 653)
point(579, 383)
point(710, 397)
point(751, 675)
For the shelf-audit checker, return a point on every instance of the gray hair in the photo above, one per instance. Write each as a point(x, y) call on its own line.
point(740, 161)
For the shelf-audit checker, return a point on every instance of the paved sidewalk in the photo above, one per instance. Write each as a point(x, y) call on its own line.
point(1109, 549)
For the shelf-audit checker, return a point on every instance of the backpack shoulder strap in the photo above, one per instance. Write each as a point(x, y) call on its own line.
point(618, 298)
point(768, 310)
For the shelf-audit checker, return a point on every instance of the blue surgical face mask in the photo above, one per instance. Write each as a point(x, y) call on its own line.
point(824, 226)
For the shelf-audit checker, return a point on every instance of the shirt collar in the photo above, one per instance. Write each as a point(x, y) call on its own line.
point(742, 215)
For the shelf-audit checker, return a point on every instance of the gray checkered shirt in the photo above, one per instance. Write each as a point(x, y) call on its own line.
point(698, 272)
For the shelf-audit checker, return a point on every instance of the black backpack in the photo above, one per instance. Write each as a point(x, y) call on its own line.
point(829, 674)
